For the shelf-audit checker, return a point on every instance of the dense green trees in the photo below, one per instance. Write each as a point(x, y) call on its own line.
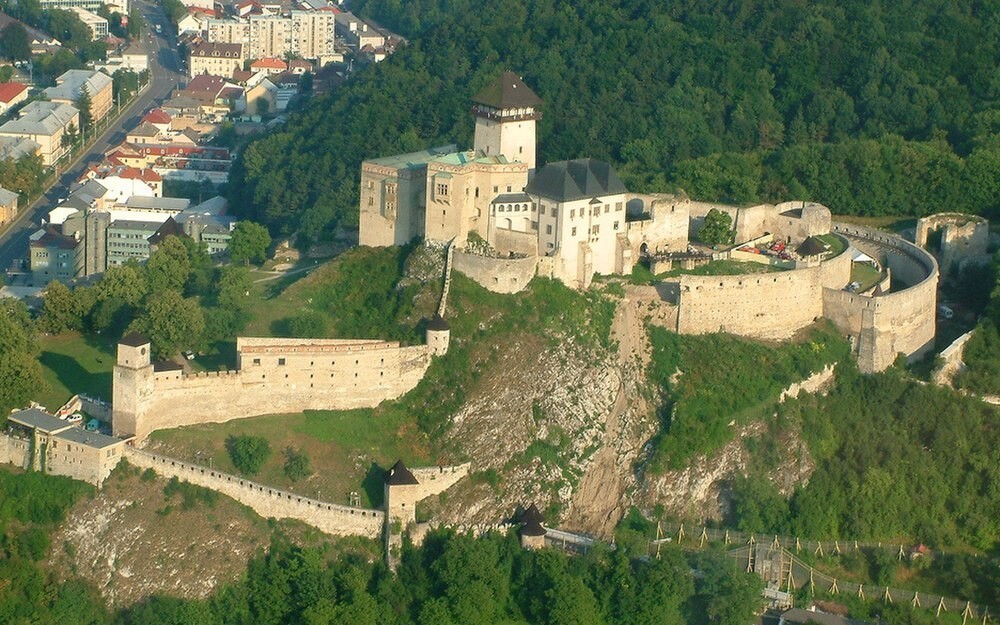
point(872, 109)
point(717, 229)
point(249, 243)
point(248, 453)
point(20, 372)
point(15, 43)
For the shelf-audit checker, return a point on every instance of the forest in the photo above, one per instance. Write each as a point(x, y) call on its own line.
point(872, 108)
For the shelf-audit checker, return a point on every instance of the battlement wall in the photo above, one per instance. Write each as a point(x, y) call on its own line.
point(899, 322)
point(500, 275)
point(770, 306)
point(271, 381)
point(268, 502)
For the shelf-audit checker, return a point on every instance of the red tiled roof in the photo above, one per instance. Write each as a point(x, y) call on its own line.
point(157, 116)
point(10, 90)
point(269, 63)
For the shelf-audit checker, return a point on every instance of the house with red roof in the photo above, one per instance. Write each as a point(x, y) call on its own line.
point(269, 65)
point(159, 119)
point(12, 94)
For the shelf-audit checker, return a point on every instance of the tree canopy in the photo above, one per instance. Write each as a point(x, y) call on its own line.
point(871, 109)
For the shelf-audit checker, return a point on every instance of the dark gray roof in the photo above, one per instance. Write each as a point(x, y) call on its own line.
point(134, 339)
point(507, 91)
point(166, 365)
point(90, 439)
point(811, 247)
point(511, 198)
point(577, 179)
point(39, 420)
point(438, 323)
point(399, 475)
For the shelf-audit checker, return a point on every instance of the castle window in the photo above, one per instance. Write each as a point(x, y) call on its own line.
point(477, 191)
point(281, 362)
point(607, 208)
point(555, 211)
point(548, 229)
point(441, 189)
point(572, 214)
point(541, 209)
point(496, 189)
point(616, 225)
point(508, 188)
point(534, 225)
point(390, 188)
point(572, 232)
point(596, 230)
point(371, 184)
point(371, 201)
point(256, 361)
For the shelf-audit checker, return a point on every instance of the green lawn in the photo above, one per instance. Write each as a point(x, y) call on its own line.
point(837, 245)
point(865, 275)
point(73, 364)
point(348, 450)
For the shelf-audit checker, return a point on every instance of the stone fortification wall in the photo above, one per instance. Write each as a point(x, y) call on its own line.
point(522, 243)
point(951, 360)
point(15, 451)
point(771, 306)
point(500, 275)
point(902, 321)
point(665, 229)
point(964, 238)
point(275, 376)
point(268, 502)
point(436, 480)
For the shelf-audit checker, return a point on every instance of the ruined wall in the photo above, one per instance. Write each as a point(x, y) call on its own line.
point(15, 451)
point(951, 360)
point(964, 238)
point(771, 305)
point(666, 229)
point(500, 275)
point(436, 480)
point(506, 241)
point(295, 376)
point(902, 321)
point(268, 502)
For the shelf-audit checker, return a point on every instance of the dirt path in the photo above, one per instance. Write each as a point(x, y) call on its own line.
point(602, 496)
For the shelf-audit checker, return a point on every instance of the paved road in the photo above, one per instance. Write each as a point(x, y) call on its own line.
point(164, 65)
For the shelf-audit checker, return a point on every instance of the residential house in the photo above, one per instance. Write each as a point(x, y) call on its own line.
point(98, 25)
point(45, 123)
point(216, 97)
point(71, 84)
point(15, 147)
point(269, 65)
point(357, 32)
point(41, 42)
point(216, 59)
point(262, 98)
point(159, 119)
point(8, 206)
point(53, 256)
point(12, 94)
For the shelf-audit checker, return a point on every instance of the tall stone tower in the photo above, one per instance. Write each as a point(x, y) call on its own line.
point(506, 113)
point(132, 384)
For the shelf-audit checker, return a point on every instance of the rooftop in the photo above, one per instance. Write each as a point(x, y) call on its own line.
point(38, 420)
point(134, 339)
point(399, 475)
point(94, 440)
point(507, 91)
point(41, 118)
point(69, 84)
point(413, 160)
point(10, 90)
point(574, 180)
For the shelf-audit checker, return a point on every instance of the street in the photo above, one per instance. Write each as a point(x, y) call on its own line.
point(164, 65)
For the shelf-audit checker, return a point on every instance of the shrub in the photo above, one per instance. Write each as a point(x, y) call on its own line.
point(296, 465)
point(248, 453)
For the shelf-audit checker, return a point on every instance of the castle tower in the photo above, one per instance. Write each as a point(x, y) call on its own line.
point(438, 335)
point(402, 491)
point(506, 112)
point(132, 384)
point(532, 532)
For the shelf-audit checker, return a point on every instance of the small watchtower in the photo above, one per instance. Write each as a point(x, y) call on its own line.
point(532, 531)
point(402, 490)
point(506, 112)
point(438, 335)
point(132, 383)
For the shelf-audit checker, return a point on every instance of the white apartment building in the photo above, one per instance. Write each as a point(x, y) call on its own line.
point(308, 34)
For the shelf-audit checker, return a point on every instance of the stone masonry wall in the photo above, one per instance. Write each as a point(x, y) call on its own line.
point(268, 502)
point(500, 275)
point(351, 378)
point(771, 306)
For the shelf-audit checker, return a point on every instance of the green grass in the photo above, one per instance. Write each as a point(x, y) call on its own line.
point(347, 450)
point(865, 275)
point(73, 364)
point(837, 244)
point(642, 275)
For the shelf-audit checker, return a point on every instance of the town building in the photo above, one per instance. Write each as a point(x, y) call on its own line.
point(8, 206)
point(15, 147)
point(44, 123)
point(71, 84)
point(12, 94)
point(53, 256)
point(307, 34)
point(215, 59)
point(121, 6)
point(98, 25)
point(41, 42)
point(38, 441)
point(358, 33)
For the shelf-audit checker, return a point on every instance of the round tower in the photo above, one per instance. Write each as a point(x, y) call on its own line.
point(438, 335)
point(532, 531)
point(506, 112)
point(132, 384)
